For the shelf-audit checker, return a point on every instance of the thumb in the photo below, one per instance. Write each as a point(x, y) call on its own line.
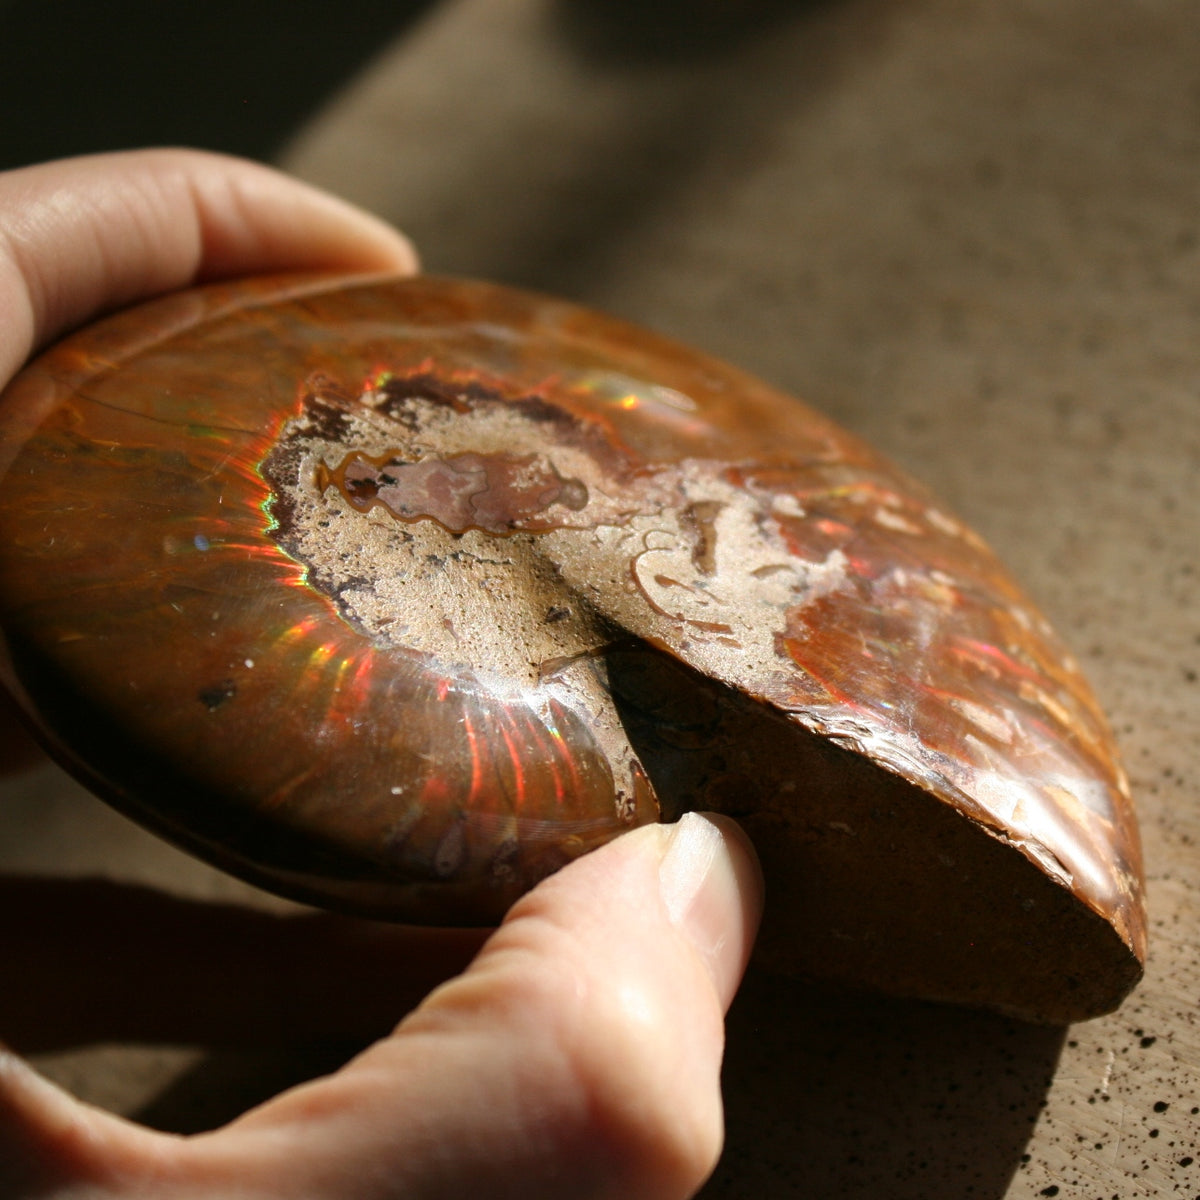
point(578, 1056)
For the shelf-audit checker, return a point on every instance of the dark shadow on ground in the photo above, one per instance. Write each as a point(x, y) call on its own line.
point(106, 962)
point(808, 1074)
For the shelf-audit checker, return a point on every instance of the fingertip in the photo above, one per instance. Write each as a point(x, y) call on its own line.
point(250, 211)
point(712, 886)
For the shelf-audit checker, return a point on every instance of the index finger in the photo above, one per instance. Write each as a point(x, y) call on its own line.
point(84, 235)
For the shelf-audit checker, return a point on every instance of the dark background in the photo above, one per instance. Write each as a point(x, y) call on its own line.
point(78, 76)
point(240, 76)
point(82, 76)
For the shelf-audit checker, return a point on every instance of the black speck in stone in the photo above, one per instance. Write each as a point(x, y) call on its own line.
point(1161, 1106)
point(1147, 1042)
point(213, 697)
point(1154, 1133)
point(1052, 1190)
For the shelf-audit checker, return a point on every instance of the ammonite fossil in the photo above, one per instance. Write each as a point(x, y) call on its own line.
point(396, 596)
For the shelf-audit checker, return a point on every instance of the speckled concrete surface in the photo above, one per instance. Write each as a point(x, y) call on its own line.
point(970, 230)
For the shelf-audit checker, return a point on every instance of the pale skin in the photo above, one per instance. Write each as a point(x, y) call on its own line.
point(578, 1054)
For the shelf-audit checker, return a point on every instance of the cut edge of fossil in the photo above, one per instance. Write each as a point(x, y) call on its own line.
point(872, 881)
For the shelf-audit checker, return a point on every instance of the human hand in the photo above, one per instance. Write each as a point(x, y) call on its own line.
point(579, 1053)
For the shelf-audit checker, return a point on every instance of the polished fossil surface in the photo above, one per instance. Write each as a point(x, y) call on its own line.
point(399, 595)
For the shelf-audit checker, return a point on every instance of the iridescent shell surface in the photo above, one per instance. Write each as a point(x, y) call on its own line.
point(397, 596)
